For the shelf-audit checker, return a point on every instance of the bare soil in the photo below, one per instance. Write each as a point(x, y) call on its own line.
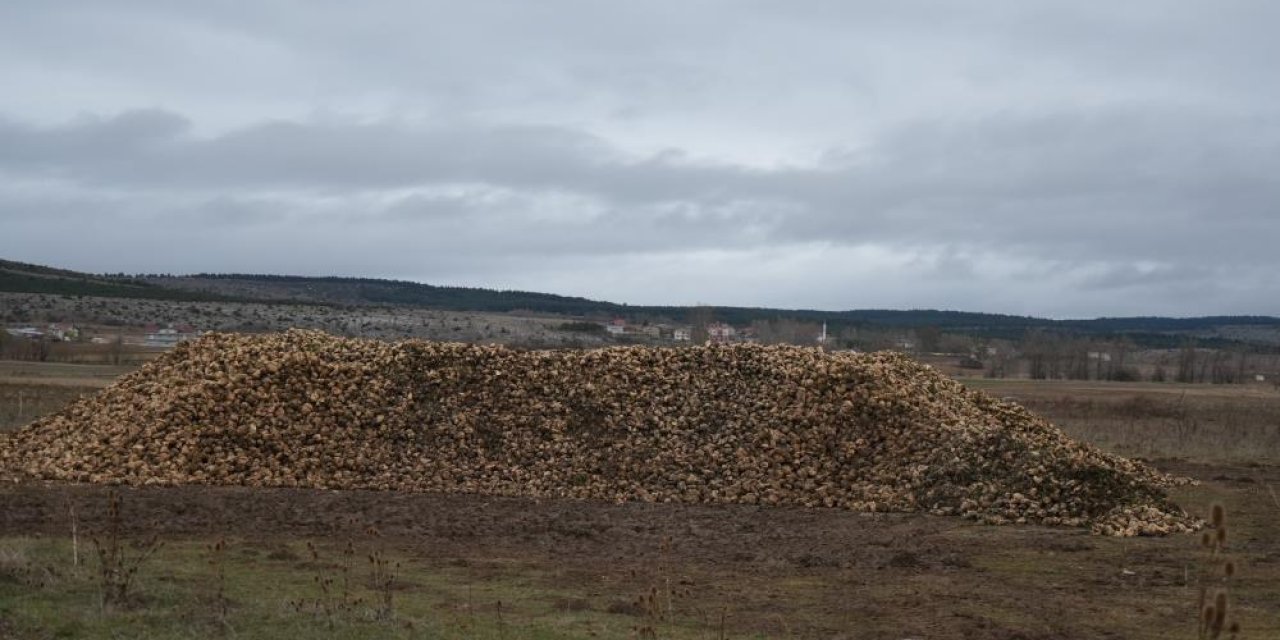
point(774, 571)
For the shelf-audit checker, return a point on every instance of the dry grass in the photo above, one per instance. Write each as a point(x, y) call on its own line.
point(31, 390)
point(1154, 426)
point(1216, 573)
point(61, 374)
point(1208, 423)
point(21, 403)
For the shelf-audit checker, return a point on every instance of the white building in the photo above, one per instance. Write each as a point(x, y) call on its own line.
point(170, 336)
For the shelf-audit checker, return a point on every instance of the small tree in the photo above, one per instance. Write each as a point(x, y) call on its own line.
point(117, 564)
point(41, 348)
point(116, 350)
point(699, 320)
point(1187, 363)
point(928, 338)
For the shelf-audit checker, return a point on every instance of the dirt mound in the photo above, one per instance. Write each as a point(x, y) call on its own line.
point(745, 424)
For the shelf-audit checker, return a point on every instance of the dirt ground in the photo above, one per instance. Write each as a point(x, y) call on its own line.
point(88, 376)
point(774, 572)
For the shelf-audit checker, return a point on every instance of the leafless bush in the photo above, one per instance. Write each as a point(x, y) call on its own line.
point(118, 563)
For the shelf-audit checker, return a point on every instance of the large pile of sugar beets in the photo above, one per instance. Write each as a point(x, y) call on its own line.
point(729, 424)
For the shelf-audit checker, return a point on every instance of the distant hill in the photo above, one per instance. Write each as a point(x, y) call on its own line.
point(370, 291)
point(1148, 331)
point(21, 277)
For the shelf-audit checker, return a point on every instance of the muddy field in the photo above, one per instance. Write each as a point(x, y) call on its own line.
point(475, 566)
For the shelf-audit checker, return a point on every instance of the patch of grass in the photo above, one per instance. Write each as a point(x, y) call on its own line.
point(178, 595)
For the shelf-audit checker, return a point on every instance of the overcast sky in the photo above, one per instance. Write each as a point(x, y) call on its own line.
point(1064, 159)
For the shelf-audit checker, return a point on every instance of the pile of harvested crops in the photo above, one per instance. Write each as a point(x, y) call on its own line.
point(729, 424)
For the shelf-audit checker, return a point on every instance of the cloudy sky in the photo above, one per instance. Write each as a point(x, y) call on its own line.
point(1064, 159)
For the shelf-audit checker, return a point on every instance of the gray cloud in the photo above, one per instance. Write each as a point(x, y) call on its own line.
point(1045, 158)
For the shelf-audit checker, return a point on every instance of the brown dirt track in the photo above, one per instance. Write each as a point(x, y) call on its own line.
point(776, 571)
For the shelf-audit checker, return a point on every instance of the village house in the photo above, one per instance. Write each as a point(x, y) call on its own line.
point(721, 332)
point(646, 330)
point(169, 336)
point(166, 337)
point(54, 331)
point(25, 332)
point(63, 331)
